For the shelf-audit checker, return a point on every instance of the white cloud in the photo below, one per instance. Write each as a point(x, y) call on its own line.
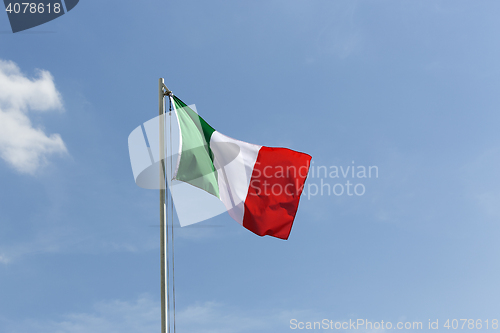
point(22, 145)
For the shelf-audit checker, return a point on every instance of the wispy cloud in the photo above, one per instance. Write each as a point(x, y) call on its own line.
point(214, 317)
point(106, 317)
point(4, 259)
point(70, 240)
point(143, 315)
point(480, 177)
point(48, 242)
point(341, 36)
point(22, 145)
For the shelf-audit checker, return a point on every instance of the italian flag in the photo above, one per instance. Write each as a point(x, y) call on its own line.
point(259, 186)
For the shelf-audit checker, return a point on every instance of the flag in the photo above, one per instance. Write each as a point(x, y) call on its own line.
point(259, 186)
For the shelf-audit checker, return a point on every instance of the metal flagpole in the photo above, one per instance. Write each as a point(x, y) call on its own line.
point(163, 248)
point(163, 91)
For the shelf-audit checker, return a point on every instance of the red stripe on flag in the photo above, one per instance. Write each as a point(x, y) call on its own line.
point(273, 196)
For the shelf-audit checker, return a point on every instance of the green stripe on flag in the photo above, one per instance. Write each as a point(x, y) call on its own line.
point(196, 165)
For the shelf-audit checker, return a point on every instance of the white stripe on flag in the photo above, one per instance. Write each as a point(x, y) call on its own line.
point(233, 177)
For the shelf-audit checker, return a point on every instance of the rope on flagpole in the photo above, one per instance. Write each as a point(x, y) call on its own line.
point(172, 210)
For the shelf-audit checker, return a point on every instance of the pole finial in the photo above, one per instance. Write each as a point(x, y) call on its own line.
point(163, 88)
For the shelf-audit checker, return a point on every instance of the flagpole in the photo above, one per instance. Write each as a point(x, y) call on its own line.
point(163, 247)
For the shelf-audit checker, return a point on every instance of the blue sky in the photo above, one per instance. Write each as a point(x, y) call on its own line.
point(408, 86)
